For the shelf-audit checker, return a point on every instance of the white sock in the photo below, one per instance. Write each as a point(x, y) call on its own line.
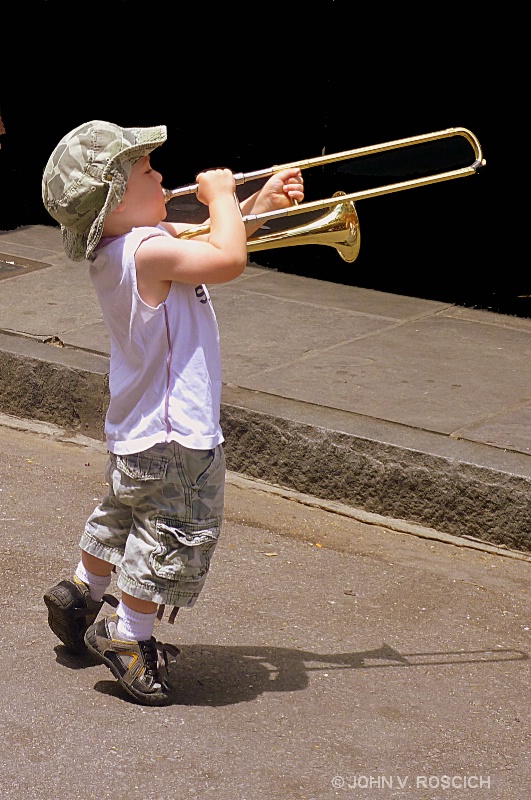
point(133, 624)
point(96, 583)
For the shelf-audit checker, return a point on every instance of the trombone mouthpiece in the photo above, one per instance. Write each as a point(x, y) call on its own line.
point(169, 194)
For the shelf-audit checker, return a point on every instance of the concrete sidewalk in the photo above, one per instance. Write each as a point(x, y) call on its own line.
point(412, 409)
point(321, 649)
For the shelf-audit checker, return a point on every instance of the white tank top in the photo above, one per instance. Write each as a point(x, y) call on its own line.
point(165, 366)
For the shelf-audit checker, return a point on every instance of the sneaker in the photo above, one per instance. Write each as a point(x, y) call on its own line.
point(71, 610)
point(135, 664)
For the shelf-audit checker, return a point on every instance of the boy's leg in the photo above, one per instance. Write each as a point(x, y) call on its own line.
point(177, 497)
point(73, 604)
point(177, 523)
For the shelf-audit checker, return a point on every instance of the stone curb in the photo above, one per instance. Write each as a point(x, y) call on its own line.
point(310, 450)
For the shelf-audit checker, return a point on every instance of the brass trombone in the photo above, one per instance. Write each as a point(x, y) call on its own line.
point(340, 227)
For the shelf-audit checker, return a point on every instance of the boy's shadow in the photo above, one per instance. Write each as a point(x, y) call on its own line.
point(213, 675)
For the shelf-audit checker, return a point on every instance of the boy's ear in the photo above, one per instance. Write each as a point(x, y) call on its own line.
point(119, 208)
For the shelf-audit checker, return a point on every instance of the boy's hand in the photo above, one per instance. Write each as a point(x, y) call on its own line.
point(212, 183)
point(281, 190)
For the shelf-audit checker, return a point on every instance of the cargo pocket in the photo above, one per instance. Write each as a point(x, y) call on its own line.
point(141, 467)
point(183, 550)
point(133, 477)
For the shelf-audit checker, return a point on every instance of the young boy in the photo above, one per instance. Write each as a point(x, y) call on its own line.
point(161, 518)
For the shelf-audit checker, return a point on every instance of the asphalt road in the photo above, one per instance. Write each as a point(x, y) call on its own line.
point(327, 657)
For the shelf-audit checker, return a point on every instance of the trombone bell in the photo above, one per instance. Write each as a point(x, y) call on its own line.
point(339, 228)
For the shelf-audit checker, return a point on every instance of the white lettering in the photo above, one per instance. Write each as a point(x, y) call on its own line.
point(422, 781)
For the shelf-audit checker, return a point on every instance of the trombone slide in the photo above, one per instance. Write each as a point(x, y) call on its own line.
point(306, 163)
point(344, 218)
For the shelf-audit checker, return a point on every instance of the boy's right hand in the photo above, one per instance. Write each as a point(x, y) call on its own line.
point(214, 182)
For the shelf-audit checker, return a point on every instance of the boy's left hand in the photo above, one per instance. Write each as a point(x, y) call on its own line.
point(282, 189)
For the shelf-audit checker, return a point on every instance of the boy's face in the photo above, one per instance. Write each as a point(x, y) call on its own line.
point(144, 198)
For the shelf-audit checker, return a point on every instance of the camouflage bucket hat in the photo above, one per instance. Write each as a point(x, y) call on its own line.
point(86, 176)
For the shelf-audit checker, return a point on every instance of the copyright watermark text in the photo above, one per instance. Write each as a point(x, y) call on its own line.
point(411, 781)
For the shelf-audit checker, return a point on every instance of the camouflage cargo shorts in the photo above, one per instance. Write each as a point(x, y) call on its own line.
point(160, 521)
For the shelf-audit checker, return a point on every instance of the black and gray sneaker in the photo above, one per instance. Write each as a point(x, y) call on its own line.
point(135, 664)
point(71, 610)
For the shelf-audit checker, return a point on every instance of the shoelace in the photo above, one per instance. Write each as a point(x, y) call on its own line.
point(173, 613)
point(156, 655)
point(110, 599)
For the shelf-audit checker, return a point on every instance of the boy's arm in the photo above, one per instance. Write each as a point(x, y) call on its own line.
point(280, 191)
point(216, 258)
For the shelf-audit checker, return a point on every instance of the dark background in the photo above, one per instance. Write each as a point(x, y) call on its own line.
point(247, 87)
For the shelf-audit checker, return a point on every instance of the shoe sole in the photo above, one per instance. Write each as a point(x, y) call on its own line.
point(61, 620)
point(145, 699)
